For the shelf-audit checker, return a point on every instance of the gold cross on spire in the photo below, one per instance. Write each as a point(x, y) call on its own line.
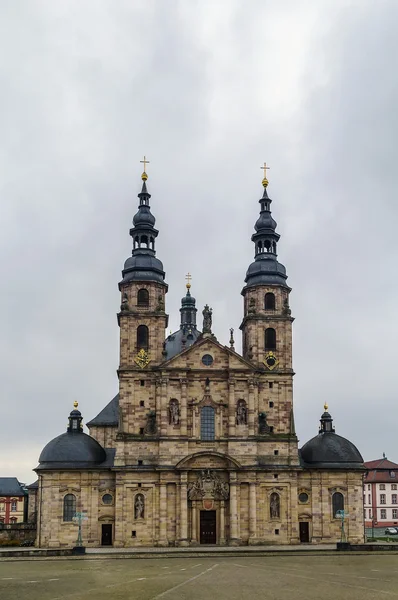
point(188, 277)
point(265, 180)
point(144, 176)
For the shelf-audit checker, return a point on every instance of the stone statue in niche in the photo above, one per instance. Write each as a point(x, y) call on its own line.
point(286, 309)
point(263, 426)
point(125, 303)
point(160, 306)
point(208, 485)
point(241, 413)
point(274, 506)
point(252, 306)
point(139, 506)
point(150, 427)
point(207, 319)
point(174, 412)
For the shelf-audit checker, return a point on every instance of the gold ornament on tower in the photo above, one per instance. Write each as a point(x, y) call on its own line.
point(270, 360)
point(265, 180)
point(142, 359)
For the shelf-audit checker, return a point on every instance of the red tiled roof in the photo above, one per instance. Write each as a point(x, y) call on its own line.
point(382, 476)
point(381, 463)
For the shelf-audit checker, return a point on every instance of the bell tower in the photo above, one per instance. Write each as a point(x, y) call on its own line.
point(267, 321)
point(142, 318)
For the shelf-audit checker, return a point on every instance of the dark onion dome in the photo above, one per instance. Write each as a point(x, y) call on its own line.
point(143, 267)
point(265, 270)
point(73, 449)
point(143, 264)
point(329, 450)
point(187, 334)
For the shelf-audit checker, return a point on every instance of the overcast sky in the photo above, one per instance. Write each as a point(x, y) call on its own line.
point(208, 90)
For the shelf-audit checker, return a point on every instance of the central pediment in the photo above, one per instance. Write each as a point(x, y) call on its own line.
point(208, 354)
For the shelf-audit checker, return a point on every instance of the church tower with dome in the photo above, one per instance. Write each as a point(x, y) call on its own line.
point(198, 446)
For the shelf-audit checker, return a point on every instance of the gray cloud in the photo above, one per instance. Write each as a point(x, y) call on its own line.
point(208, 91)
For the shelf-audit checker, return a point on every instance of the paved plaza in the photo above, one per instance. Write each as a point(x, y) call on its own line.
point(234, 578)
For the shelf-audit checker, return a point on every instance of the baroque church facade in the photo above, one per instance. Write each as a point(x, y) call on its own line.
point(199, 445)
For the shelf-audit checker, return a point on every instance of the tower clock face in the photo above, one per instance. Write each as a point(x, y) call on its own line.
point(271, 361)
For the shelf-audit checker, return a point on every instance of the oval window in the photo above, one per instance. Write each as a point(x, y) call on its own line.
point(207, 360)
point(107, 499)
point(303, 498)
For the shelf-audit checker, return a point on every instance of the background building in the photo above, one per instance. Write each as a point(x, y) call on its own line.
point(13, 501)
point(199, 445)
point(380, 493)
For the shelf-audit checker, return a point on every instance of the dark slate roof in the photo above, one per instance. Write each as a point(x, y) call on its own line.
point(174, 343)
point(10, 486)
point(109, 416)
point(331, 451)
point(72, 450)
point(33, 486)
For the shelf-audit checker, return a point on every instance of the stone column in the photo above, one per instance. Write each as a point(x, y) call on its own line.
point(194, 523)
point(221, 540)
point(294, 522)
point(164, 421)
point(251, 419)
point(231, 409)
point(252, 513)
point(163, 515)
point(183, 412)
point(158, 390)
point(233, 511)
point(183, 541)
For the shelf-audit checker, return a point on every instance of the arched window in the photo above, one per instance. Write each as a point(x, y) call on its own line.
point(270, 339)
point(143, 297)
point(269, 301)
point(142, 338)
point(13, 505)
point(69, 507)
point(337, 502)
point(274, 506)
point(13, 519)
point(207, 425)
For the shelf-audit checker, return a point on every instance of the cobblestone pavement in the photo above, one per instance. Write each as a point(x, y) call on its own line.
point(341, 577)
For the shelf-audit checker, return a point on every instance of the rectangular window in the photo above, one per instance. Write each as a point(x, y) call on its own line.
point(142, 382)
point(14, 505)
point(370, 514)
point(369, 502)
point(383, 513)
point(364, 513)
point(368, 486)
point(271, 404)
point(207, 423)
point(382, 498)
point(393, 486)
point(270, 385)
point(394, 499)
point(382, 486)
point(142, 403)
point(364, 498)
point(394, 513)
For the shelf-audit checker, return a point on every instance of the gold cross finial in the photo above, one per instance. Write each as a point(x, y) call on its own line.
point(265, 180)
point(75, 404)
point(188, 277)
point(144, 176)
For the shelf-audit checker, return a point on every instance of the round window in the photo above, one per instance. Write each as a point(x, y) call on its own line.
point(303, 498)
point(107, 499)
point(207, 360)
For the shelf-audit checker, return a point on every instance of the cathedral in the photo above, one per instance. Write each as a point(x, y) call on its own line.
point(199, 444)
